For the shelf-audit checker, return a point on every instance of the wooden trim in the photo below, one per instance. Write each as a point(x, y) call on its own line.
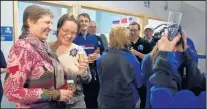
point(143, 17)
point(113, 10)
point(144, 23)
point(146, 17)
point(156, 18)
point(109, 9)
point(72, 9)
point(79, 8)
point(62, 3)
point(15, 20)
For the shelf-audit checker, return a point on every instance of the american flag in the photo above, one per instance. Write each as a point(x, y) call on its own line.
point(116, 22)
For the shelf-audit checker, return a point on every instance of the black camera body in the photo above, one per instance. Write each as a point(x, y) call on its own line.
point(173, 31)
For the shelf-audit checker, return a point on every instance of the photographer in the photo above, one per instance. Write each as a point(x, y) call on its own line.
point(168, 63)
point(148, 62)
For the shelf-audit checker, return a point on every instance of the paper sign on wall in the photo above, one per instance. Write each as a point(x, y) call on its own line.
point(6, 33)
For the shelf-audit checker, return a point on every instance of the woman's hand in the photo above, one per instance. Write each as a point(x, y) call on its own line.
point(83, 66)
point(65, 95)
point(93, 57)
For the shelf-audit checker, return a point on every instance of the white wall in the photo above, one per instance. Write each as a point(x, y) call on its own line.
point(156, 7)
point(193, 22)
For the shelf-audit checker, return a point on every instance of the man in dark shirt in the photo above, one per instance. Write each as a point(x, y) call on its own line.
point(140, 47)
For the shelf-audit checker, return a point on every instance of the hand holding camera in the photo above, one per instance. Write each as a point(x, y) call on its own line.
point(164, 44)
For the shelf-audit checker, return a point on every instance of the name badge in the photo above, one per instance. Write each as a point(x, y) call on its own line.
point(140, 47)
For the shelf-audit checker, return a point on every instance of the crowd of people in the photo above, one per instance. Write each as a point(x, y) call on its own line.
point(83, 70)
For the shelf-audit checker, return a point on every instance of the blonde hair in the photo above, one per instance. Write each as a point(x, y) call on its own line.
point(118, 37)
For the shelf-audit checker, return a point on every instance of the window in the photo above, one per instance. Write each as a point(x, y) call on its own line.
point(57, 10)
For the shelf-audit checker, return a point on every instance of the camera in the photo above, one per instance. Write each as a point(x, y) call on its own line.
point(172, 30)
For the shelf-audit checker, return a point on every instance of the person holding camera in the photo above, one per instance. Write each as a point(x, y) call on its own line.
point(148, 63)
point(168, 66)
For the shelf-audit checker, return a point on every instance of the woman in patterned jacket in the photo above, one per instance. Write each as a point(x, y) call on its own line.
point(72, 57)
point(35, 74)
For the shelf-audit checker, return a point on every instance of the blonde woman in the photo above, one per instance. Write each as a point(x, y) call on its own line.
point(73, 58)
point(119, 73)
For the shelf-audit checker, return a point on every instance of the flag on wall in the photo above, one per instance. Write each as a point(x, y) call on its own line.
point(124, 20)
point(132, 19)
point(116, 22)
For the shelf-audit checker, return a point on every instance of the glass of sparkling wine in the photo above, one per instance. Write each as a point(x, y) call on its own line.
point(80, 56)
point(71, 87)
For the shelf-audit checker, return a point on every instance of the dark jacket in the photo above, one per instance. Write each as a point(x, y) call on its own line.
point(186, 83)
point(166, 72)
point(120, 76)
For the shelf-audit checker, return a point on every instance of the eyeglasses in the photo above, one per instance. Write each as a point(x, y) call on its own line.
point(133, 30)
point(68, 32)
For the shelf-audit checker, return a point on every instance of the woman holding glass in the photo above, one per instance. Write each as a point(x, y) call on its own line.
point(35, 75)
point(73, 58)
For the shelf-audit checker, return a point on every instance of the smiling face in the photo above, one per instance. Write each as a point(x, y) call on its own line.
point(37, 21)
point(67, 32)
point(134, 31)
point(84, 22)
point(148, 33)
point(41, 27)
